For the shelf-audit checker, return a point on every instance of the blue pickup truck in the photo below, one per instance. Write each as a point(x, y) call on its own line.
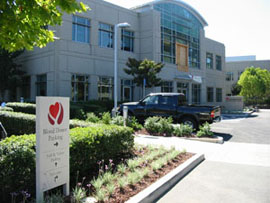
point(172, 105)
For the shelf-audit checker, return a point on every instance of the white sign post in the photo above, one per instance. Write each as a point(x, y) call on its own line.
point(52, 144)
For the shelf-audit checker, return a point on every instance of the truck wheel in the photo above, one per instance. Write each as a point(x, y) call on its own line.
point(191, 122)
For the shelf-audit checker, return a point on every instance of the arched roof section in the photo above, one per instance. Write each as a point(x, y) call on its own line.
point(189, 8)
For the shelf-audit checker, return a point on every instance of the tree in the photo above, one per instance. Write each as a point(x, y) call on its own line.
point(145, 69)
point(255, 84)
point(10, 77)
point(23, 22)
point(235, 89)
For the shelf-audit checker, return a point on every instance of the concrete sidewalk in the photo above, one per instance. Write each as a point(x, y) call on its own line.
point(232, 172)
point(240, 153)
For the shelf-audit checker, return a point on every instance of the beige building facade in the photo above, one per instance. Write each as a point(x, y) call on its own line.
point(80, 65)
point(236, 68)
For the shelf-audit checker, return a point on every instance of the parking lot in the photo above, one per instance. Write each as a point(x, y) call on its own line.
point(236, 171)
point(252, 129)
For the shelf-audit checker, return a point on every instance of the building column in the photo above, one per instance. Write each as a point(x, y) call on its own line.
point(190, 92)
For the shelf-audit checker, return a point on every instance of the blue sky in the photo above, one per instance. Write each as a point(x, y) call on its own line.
point(242, 25)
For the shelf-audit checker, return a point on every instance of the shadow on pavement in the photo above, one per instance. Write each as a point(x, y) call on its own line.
point(226, 137)
point(252, 116)
point(232, 116)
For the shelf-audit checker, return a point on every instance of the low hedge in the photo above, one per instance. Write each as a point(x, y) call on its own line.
point(87, 147)
point(22, 123)
point(18, 123)
point(22, 107)
point(6, 109)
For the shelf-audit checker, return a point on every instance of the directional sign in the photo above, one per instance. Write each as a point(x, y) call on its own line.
point(52, 154)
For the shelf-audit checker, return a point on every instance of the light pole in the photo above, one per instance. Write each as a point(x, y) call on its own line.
point(120, 25)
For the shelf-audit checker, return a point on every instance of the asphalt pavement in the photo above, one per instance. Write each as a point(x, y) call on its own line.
point(236, 171)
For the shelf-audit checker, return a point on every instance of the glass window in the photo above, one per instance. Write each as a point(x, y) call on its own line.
point(178, 25)
point(239, 74)
point(127, 40)
point(79, 87)
point(105, 35)
point(229, 76)
point(219, 95)
point(167, 86)
point(182, 88)
point(218, 63)
point(127, 89)
point(41, 85)
point(167, 100)
point(80, 29)
point(210, 94)
point(105, 88)
point(151, 100)
point(26, 87)
point(209, 60)
point(182, 101)
point(196, 93)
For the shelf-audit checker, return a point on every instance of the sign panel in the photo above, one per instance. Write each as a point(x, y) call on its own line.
point(52, 144)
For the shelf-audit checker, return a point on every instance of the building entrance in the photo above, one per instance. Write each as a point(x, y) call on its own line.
point(182, 87)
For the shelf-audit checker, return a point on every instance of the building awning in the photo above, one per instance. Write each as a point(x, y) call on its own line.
point(194, 78)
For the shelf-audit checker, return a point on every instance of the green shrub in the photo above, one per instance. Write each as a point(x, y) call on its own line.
point(159, 125)
point(91, 117)
point(76, 112)
point(18, 123)
point(106, 118)
point(6, 109)
point(87, 147)
point(17, 165)
point(152, 124)
point(22, 107)
point(118, 120)
point(205, 131)
point(131, 122)
point(183, 130)
point(96, 143)
point(21, 123)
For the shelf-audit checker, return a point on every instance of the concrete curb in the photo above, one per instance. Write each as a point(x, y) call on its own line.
point(216, 139)
point(160, 187)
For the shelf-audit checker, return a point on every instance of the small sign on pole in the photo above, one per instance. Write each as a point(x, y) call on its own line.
point(52, 144)
point(144, 85)
point(125, 115)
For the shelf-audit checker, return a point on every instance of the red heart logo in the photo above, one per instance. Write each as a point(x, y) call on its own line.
point(54, 109)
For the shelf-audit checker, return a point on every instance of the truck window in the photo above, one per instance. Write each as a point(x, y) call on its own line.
point(166, 100)
point(182, 101)
point(150, 100)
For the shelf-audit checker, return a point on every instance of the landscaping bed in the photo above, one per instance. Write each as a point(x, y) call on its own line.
point(118, 183)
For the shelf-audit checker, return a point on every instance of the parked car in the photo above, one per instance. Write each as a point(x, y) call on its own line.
point(172, 105)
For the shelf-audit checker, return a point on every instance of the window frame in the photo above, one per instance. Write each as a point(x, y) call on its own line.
point(109, 85)
point(75, 85)
point(218, 99)
point(197, 88)
point(41, 82)
point(210, 94)
point(86, 26)
point(218, 63)
point(109, 31)
point(209, 65)
point(130, 38)
point(169, 86)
